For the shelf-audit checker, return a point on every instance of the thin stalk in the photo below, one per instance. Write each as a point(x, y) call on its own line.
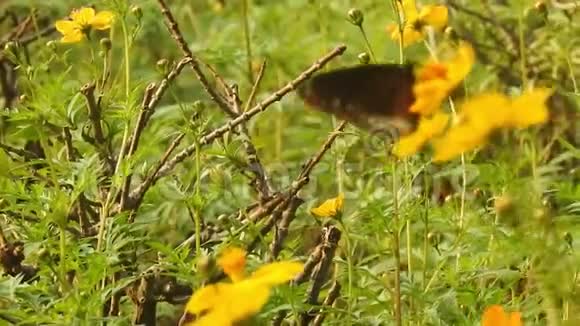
point(368, 44)
point(349, 272)
point(396, 247)
point(246, 24)
point(196, 215)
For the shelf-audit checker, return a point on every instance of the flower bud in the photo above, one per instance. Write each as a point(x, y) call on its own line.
point(137, 12)
point(364, 58)
point(51, 45)
point(356, 17)
point(162, 65)
point(106, 44)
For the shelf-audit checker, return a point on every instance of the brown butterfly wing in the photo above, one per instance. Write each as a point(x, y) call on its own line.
point(369, 96)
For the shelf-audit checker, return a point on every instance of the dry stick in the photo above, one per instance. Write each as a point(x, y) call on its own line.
point(208, 138)
point(45, 32)
point(144, 299)
point(151, 98)
point(333, 294)
point(313, 161)
point(195, 63)
point(134, 140)
point(312, 261)
point(133, 205)
point(330, 240)
point(281, 230)
point(88, 90)
point(17, 31)
point(260, 181)
point(72, 153)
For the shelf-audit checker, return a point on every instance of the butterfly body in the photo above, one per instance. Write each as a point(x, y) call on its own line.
point(373, 97)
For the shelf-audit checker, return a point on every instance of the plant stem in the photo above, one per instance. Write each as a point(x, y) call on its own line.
point(396, 247)
point(246, 24)
point(368, 44)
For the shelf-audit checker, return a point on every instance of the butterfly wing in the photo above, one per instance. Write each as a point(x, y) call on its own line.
point(370, 96)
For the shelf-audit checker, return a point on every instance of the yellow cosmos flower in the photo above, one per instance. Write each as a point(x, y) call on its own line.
point(496, 316)
point(224, 304)
point(484, 114)
point(81, 22)
point(435, 80)
point(330, 208)
point(427, 129)
point(233, 261)
point(415, 22)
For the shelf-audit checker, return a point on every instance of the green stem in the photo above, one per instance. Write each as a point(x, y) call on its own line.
point(245, 5)
point(368, 44)
point(349, 272)
point(396, 247)
point(196, 214)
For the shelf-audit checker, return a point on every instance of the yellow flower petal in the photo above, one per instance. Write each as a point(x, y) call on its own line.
point(496, 316)
point(409, 8)
point(277, 273)
point(458, 140)
point(233, 262)
point(330, 208)
point(83, 16)
point(73, 37)
point(435, 80)
point(204, 299)
point(427, 129)
point(461, 64)
point(436, 16)
point(530, 108)
point(65, 26)
point(102, 20)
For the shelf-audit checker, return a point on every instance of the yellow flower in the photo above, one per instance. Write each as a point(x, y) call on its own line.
point(415, 22)
point(330, 208)
point(224, 304)
point(233, 261)
point(496, 316)
point(427, 129)
point(482, 115)
point(81, 22)
point(435, 80)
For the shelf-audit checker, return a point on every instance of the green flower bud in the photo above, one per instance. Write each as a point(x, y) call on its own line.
point(106, 44)
point(356, 17)
point(162, 65)
point(364, 58)
point(137, 12)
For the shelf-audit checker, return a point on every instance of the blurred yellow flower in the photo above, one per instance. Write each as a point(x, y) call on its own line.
point(414, 22)
point(81, 22)
point(427, 129)
point(482, 115)
point(224, 304)
point(233, 262)
point(435, 80)
point(496, 316)
point(330, 208)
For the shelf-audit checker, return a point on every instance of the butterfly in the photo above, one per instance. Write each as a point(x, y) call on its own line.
point(375, 97)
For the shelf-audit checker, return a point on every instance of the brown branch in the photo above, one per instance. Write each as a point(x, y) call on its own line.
point(136, 201)
point(260, 182)
point(331, 236)
point(143, 298)
point(208, 138)
point(195, 64)
point(31, 38)
point(88, 90)
point(325, 147)
point(283, 225)
point(333, 294)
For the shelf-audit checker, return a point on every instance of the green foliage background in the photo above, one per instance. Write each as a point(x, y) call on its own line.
point(460, 250)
